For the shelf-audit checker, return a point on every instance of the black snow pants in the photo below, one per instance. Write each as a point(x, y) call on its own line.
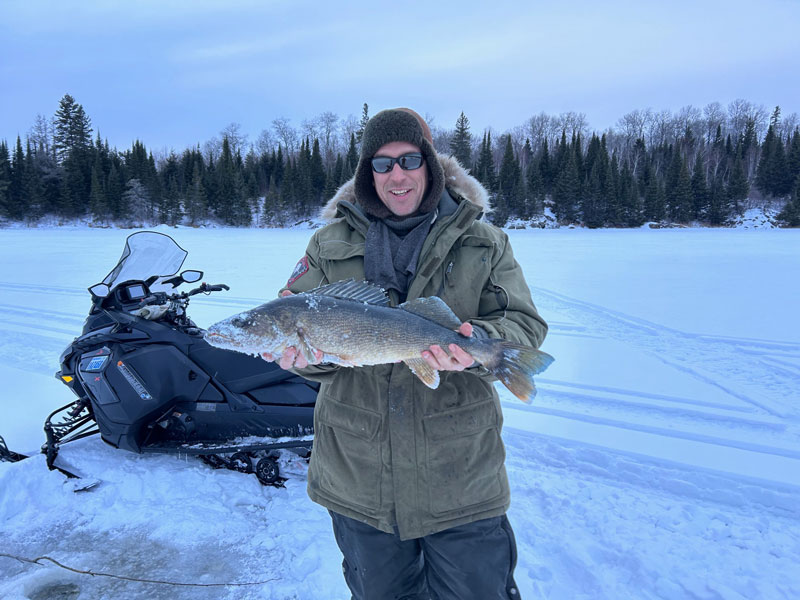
point(470, 562)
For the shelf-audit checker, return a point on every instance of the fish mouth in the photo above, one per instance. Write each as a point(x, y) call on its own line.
point(215, 337)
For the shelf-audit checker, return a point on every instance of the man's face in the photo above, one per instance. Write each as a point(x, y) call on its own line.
point(401, 191)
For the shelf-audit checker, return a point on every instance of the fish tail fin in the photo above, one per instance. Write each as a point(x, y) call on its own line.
point(515, 365)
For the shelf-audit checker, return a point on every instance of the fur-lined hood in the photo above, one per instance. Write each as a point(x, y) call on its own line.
point(457, 181)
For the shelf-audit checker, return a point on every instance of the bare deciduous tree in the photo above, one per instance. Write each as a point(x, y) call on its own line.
point(691, 119)
point(212, 149)
point(632, 125)
point(328, 122)
point(348, 127)
point(787, 125)
point(661, 129)
point(287, 134)
point(236, 139)
point(40, 135)
point(739, 111)
point(265, 144)
point(713, 116)
point(573, 123)
point(310, 129)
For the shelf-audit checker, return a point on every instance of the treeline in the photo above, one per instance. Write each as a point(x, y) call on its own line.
point(693, 166)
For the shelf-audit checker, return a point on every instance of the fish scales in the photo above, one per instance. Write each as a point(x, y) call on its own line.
point(369, 334)
point(353, 325)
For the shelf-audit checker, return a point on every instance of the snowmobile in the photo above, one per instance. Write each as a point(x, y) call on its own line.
point(147, 381)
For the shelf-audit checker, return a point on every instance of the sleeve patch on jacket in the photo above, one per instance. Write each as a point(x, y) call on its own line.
point(300, 269)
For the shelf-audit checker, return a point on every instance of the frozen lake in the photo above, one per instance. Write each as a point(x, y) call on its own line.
point(661, 458)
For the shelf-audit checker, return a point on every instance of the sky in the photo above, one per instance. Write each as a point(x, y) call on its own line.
point(175, 73)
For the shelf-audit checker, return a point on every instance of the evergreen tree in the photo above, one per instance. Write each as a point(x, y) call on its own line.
point(717, 206)
point(170, 198)
point(577, 149)
point(361, 125)
point(5, 179)
point(211, 187)
point(272, 208)
point(287, 193)
point(317, 174)
point(630, 201)
point(137, 202)
point(535, 187)
point(251, 192)
point(655, 201)
point(114, 191)
point(610, 196)
point(567, 189)
point(738, 186)
point(62, 123)
point(546, 168)
point(226, 185)
point(232, 208)
point(242, 213)
point(98, 205)
point(302, 188)
point(278, 167)
point(699, 190)
point(682, 201)
point(334, 178)
point(592, 211)
point(791, 212)
point(170, 206)
point(592, 154)
point(485, 167)
point(17, 205)
point(461, 142)
point(32, 185)
point(772, 177)
point(749, 148)
point(351, 161)
point(196, 202)
point(793, 156)
point(506, 203)
point(672, 176)
point(153, 182)
point(72, 128)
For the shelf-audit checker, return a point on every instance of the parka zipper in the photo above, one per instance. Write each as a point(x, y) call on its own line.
point(446, 280)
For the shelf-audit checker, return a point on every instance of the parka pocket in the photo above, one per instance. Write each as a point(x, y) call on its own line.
point(466, 269)
point(347, 455)
point(465, 457)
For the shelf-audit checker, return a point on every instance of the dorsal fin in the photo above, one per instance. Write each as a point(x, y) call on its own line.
point(350, 289)
point(434, 309)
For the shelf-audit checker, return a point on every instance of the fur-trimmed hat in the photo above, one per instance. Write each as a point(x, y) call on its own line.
point(396, 125)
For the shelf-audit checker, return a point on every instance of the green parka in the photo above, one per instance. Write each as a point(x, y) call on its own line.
point(389, 451)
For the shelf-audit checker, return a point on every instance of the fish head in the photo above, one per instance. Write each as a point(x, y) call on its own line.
point(251, 332)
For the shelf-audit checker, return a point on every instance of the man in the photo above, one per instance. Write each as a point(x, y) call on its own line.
point(413, 477)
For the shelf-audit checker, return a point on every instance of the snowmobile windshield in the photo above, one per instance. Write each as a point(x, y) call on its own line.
point(147, 253)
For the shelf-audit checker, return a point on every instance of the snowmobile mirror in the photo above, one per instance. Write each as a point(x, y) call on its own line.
point(191, 276)
point(100, 290)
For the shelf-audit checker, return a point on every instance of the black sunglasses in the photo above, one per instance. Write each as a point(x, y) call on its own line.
point(407, 162)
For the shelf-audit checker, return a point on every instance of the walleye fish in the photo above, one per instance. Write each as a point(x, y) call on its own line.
point(352, 324)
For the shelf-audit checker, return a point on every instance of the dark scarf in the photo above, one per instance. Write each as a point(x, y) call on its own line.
point(392, 246)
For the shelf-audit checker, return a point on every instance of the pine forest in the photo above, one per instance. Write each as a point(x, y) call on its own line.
point(697, 166)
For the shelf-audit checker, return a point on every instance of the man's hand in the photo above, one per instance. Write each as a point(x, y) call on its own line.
point(457, 360)
point(292, 357)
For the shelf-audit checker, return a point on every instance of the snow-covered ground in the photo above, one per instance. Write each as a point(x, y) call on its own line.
point(660, 460)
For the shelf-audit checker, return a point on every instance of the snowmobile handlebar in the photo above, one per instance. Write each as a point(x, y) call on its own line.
point(205, 288)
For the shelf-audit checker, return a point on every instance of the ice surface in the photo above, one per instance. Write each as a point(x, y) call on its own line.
point(659, 460)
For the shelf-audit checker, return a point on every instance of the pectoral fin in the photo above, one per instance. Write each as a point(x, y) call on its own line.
point(306, 349)
point(427, 375)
